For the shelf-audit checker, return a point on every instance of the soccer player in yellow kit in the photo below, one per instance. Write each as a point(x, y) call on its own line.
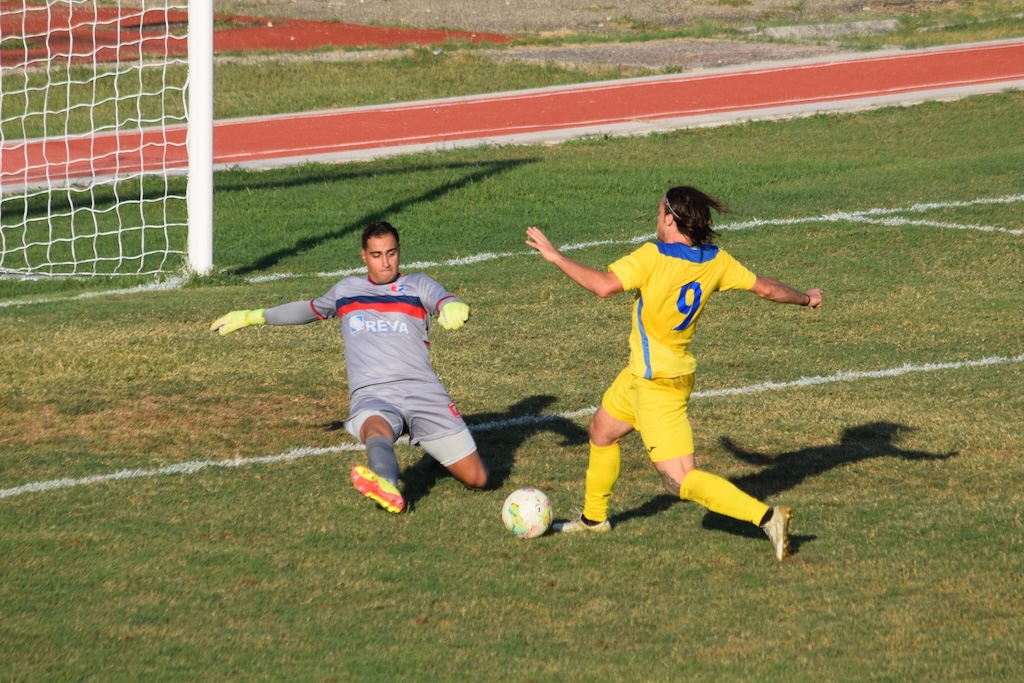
point(675, 276)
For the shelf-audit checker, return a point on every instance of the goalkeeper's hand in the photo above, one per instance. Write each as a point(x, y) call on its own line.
point(236, 320)
point(453, 314)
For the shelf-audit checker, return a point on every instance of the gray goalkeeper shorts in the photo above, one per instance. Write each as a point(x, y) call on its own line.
point(423, 410)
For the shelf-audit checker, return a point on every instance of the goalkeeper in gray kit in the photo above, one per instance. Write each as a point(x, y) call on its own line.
point(385, 324)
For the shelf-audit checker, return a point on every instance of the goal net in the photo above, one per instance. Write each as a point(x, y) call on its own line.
point(94, 137)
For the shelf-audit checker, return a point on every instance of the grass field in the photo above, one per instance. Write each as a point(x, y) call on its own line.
point(176, 505)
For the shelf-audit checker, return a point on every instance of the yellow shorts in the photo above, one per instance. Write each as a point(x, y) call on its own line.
point(657, 409)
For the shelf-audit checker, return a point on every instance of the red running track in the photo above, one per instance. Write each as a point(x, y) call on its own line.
point(83, 34)
point(552, 113)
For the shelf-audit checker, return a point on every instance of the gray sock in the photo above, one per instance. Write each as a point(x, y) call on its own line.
point(381, 455)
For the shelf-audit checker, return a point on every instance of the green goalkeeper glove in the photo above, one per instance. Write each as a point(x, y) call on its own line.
point(236, 320)
point(453, 314)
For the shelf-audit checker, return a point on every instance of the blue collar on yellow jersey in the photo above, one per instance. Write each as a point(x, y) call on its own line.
point(701, 254)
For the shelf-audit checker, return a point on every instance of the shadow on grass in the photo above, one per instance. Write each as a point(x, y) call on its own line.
point(785, 471)
point(498, 437)
point(476, 172)
point(655, 506)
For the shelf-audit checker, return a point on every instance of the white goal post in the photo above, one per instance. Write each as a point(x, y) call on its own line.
point(200, 136)
point(106, 137)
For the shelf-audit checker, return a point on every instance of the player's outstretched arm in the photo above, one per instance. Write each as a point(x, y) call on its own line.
point(779, 292)
point(294, 313)
point(600, 282)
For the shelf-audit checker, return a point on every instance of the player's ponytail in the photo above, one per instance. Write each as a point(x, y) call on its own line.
point(691, 210)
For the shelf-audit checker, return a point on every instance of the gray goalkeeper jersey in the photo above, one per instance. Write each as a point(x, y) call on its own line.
point(386, 328)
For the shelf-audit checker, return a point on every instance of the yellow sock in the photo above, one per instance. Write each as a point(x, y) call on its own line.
point(602, 473)
point(721, 496)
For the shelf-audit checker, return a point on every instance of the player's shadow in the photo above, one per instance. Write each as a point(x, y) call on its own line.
point(785, 471)
point(473, 173)
point(498, 438)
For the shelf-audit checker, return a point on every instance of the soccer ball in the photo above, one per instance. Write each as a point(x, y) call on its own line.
point(527, 513)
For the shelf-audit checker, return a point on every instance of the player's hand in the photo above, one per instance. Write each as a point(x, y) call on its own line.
point(453, 314)
point(539, 241)
point(236, 320)
point(814, 298)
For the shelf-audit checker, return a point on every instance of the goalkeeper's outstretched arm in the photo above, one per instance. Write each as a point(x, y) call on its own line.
point(294, 313)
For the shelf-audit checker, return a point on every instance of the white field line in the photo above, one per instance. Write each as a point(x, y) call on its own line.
point(878, 216)
point(894, 221)
point(868, 214)
point(300, 453)
point(170, 284)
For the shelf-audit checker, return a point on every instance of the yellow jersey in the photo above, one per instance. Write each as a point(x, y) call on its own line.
point(675, 281)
